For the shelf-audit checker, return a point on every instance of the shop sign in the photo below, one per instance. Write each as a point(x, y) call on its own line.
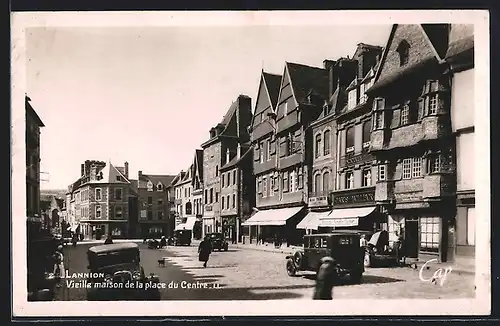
point(354, 197)
point(339, 222)
point(208, 208)
point(318, 201)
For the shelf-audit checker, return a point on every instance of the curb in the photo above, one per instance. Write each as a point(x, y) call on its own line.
point(274, 250)
point(102, 241)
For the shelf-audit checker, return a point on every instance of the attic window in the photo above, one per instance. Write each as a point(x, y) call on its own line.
point(150, 186)
point(159, 187)
point(118, 178)
point(403, 51)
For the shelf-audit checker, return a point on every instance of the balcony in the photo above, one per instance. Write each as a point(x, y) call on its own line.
point(354, 197)
point(354, 159)
point(265, 166)
point(436, 186)
point(288, 121)
point(291, 160)
point(384, 191)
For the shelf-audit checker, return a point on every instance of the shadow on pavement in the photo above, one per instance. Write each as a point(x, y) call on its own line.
point(367, 279)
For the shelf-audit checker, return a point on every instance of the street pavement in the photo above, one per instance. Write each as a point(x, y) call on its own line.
point(244, 274)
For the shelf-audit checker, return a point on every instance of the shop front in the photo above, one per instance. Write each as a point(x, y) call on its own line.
point(98, 230)
point(189, 225)
point(359, 218)
point(276, 225)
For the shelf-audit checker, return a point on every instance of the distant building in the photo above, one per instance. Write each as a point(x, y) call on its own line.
point(227, 134)
point(100, 198)
point(178, 187)
point(33, 214)
point(197, 184)
point(155, 218)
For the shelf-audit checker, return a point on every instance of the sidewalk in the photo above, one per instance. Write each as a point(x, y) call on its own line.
point(102, 241)
point(262, 247)
point(461, 266)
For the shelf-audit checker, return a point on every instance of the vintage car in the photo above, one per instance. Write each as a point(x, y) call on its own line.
point(380, 251)
point(344, 247)
point(182, 238)
point(218, 241)
point(112, 268)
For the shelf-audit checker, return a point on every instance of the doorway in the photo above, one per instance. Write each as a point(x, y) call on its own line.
point(411, 238)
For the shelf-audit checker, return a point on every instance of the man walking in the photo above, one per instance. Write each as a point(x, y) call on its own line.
point(204, 251)
point(327, 274)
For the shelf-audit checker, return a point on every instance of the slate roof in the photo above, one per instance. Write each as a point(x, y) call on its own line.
point(32, 112)
point(109, 174)
point(177, 178)
point(273, 83)
point(199, 162)
point(188, 175)
point(134, 186)
point(307, 79)
point(235, 161)
point(460, 46)
point(165, 179)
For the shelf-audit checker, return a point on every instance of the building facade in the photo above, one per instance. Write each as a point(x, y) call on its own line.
point(237, 191)
point(177, 186)
point(101, 200)
point(302, 93)
point(153, 204)
point(460, 57)
point(412, 139)
point(34, 219)
point(230, 132)
point(354, 196)
point(197, 192)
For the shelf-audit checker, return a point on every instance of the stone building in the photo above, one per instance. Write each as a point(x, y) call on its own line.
point(101, 200)
point(412, 139)
point(184, 192)
point(237, 191)
point(153, 205)
point(33, 124)
point(303, 91)
point(460, 58)
point(353, 197)
point(197, 192)
point(227, 134)
point(178, 188)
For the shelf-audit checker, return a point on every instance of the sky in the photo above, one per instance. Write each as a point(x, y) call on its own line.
point(149, 95)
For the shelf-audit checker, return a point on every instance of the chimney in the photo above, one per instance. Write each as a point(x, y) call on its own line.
point(139, 175)
point(227, 155)
point(328, 65)
point(82, 170)
point(126, 169)
point(93, 172)
point(238, 151)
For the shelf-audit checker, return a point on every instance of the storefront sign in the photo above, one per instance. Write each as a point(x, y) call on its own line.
point(354, 197)
point(318, 201)
point(408, 196)
point(143, 213)
point(339, 222)
point(208, 208)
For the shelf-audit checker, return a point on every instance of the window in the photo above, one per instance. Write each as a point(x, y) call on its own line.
point(216, 170)
point(118, 212)
point(285, 181)
point(403, 51)
point(349, 180)
point(216, 197)
point(285, 109)
point(234, 200)
point(366, 135)
point(159, 187)
point(351, 99)
point(261, 146)
point(234, 177)
point(407, 168)
point(349, 142)
point(429, 234)
point(421, 106)
point(98, 211)
point(118, 178)
point(98, 194)
point(223, 202)
point(367, 178)
point(150, 186)
point(159, 201)
point(150, 215)
point(379, 120)
point(264, 186)
point(150, 200)
point(160, 215)
point(434, 163)
point(293, 180)
point(291, 144)
point(189, 208)
point(268, 150)
point(318, 145)
point(326, 181)
point(326, 144)
point(271, 188)
point(223, 179)
point(206, 196)
point(417, 167)
point(211, 195)
point(227, 201)
point(381, 173)
point(259, 185)
point(362, 95)
point(118, 194)
point(433, 104)
point(405, 114)
point(471, 226)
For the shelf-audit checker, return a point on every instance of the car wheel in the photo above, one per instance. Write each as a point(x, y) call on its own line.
point(367, 260)
point(291, 270)
point(226, 248)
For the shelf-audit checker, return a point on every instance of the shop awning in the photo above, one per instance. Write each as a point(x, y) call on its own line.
point(181, 226)
point(73, 228)
point(345, 217)
point(190, 223)
point(272, 216)
point(311, 221)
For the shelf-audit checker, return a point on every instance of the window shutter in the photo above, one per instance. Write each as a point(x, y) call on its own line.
point(396, 118)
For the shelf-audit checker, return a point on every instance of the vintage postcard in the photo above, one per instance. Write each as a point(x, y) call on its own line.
point(250, 163)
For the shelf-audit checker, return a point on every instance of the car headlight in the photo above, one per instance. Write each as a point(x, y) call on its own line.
point(136, 275)
point(108, 279)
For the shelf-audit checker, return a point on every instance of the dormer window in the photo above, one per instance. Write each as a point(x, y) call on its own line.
point(285, 109)
point(351, 100)
point(403, 51)
point(159, 187)
point(362, 95)
point(150, 186)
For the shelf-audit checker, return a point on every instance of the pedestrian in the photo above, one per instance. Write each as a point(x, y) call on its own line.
point(58, 265)
point(325, 279)
point(108, 240)
point(163, 241)
point(204, 250)
point(362, 241)
point(401, 247)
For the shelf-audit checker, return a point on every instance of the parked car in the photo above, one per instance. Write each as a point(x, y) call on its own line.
point(153, 244)
point(111, 267)
point(342, 246)
point(182, 237)
point(218, 241)
point(379, 250)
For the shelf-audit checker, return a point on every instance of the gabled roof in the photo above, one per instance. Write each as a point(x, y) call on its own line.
point(235, 161)
point(198, 164)
point(177, 178)
point(109, 174)
point(306, 79)
point(164, 179)
point(134, 186)
point(272, 83)
point(188, 175)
